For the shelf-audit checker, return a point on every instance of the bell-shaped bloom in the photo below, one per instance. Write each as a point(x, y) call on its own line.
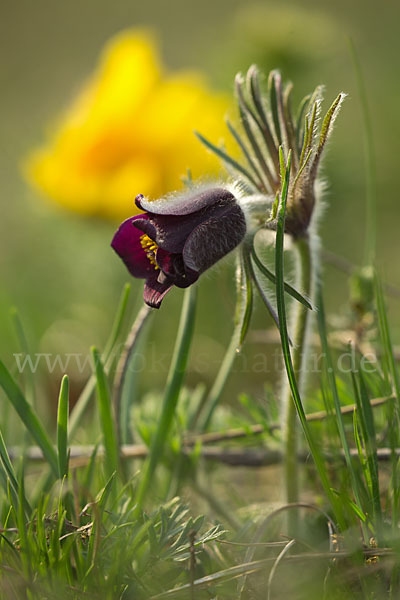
point(178, 238)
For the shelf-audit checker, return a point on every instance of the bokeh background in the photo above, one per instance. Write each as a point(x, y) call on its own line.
point(57, 268)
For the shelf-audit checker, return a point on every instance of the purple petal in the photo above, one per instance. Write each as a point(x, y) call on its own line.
point(173, 266)
point(155, 288)
point(126, 243)
point(214, 238)
point(186, 203)
point(170, 232)
point(165, 262)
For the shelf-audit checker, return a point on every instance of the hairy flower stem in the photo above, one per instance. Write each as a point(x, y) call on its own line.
point(173, 387)
point(304, 283)
point(123, 364)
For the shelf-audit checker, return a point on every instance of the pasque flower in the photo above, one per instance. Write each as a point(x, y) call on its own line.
point(177, 238)
point(130, 127)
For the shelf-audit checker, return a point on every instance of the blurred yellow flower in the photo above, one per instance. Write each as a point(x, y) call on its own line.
point(130, 131)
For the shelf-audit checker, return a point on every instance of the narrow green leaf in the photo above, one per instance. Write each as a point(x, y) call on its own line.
point(289, 125)
point(262, 294)
point(270, 275)
point(246, 153)
point(62, 427)
point(105, 414)
point(274, 209)
point(104, 495)
point(301, 169)
point(248, 290)
point(28, 417)
point(300, 132)
point(311, 127)
point(25, 546)
point(306, 146)
point(360, 449)
point(368, 430)
point(90, 469)
point(124, 395)
point(393, 412)
point(326, 129)
point(353, 506)
point(228, 159)
point(274, 104)
point(333, 391)
point(370, 162)
point(328, 120)
point(247, 118)
point(255, 94)
point(387, 346)
point(7, 464)
point(118, 320)
point(9, 480)
point(280, 295)
point(23, 342)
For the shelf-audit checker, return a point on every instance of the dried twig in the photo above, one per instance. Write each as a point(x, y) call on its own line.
point(235, 457)
point(241, 432)
point(80, 455)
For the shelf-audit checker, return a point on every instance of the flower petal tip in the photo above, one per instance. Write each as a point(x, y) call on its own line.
point(155, 289)
point(138, 201)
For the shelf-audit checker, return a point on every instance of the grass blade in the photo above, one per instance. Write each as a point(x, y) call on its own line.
point(387, 346)
point(366, 420)
point(331, 379)
point(122, 381)
point(393, 414)
point(280, 296)
point(118, 320)
point(10, 475)
point(105, 414)
point(370, 163)
point(19, 330)
point(62, 427)
point(28, 417)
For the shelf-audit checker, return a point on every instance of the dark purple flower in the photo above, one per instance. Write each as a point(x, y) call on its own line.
point(178, 238)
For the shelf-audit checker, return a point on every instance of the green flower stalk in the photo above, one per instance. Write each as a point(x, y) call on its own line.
point(268, 125)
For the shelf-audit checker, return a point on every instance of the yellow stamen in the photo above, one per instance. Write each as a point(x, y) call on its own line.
point(150, 247)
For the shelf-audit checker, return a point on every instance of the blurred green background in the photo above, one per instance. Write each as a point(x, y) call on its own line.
point(58, 268)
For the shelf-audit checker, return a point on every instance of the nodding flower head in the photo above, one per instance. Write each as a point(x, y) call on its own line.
point(177, 238)
point(267, 123)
